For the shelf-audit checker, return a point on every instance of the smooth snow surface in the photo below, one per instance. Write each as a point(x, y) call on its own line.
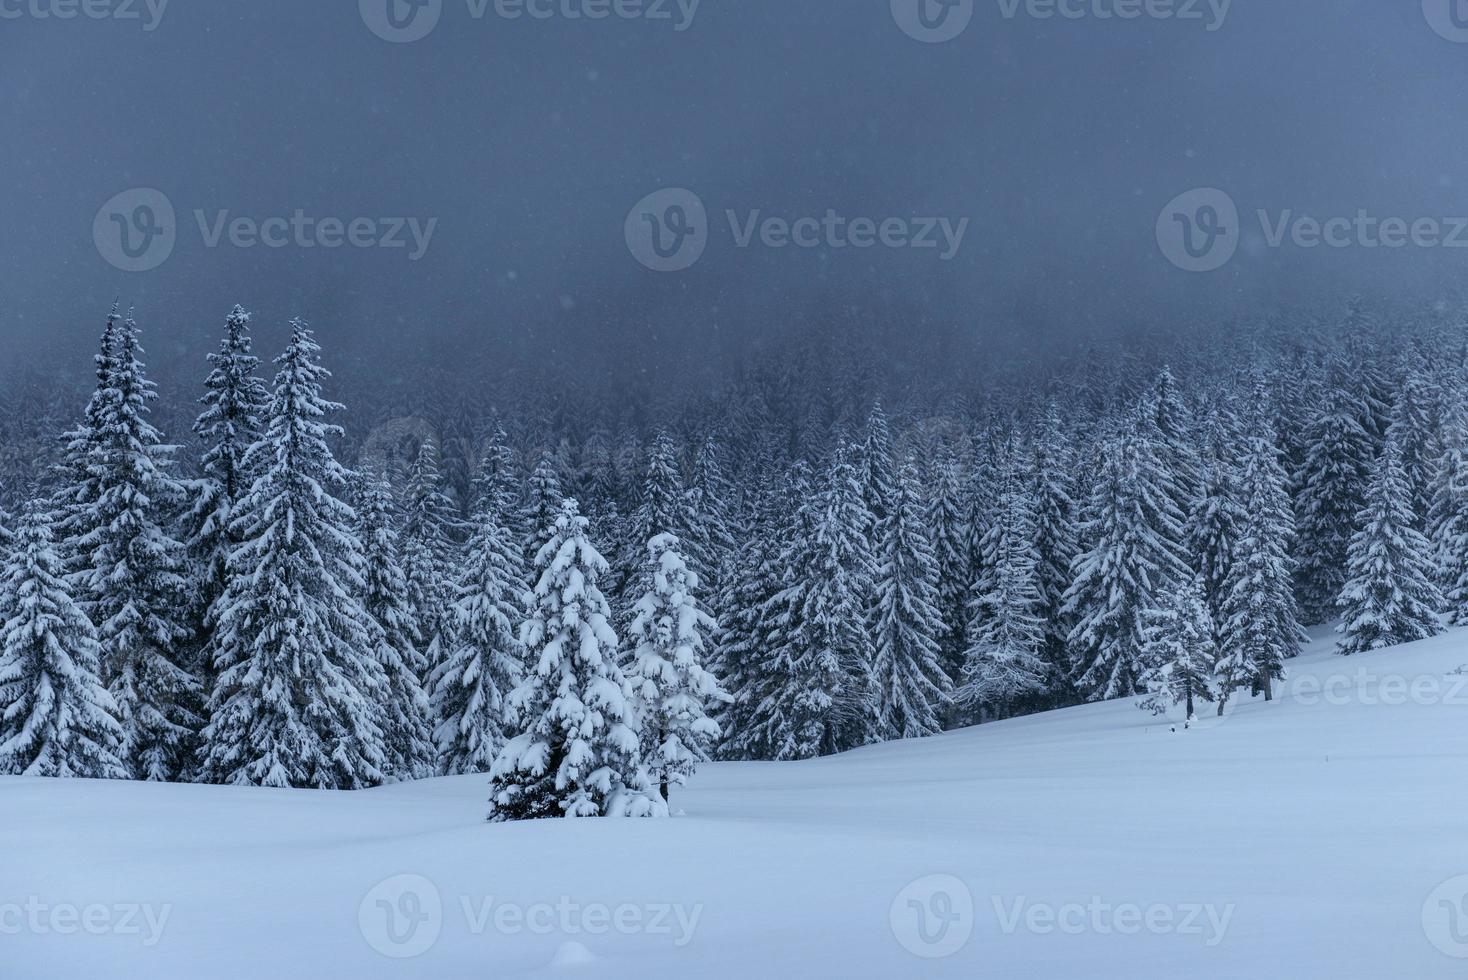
point(1318, 836)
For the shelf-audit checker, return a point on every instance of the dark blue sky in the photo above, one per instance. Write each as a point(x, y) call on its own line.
point(529, 140)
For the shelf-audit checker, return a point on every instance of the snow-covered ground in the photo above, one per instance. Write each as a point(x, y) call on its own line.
point(1318, 836)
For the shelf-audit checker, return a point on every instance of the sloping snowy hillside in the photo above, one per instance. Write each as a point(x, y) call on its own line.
point(1318, 836)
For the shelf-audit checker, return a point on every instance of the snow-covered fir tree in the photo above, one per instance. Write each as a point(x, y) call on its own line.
point(131, 577)
point(1005, 660)
point(577, 751)
point(1332, 483)
point(1448, 514)
point(912, 686)
point(1218, 511)
point(1258, 627)
point(483, 658)
point(406, 728)
point(1390, 597)
point(947, 523)
point(1134, 553)
point(542, 508)
point(298, 681)
point(1179, 650)
point(235, 401)
point(427, 551)
point(56, 716)
point(1056, 540)
point(673, 691)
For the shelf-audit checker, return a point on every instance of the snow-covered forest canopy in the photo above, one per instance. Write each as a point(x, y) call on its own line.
point(246, 581)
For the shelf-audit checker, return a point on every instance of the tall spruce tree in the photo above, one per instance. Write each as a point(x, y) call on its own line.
point(1135, 552)
point(1057, 541)
point(1259, 629)
point(56, 717)
point(672, 690)
point(484, 660)
point(427, 549)
point(1005, 661)
point(947, 522)
point(235, 401)
point(1390, 597)
point(406, 729)
point(1448, 516)
point(577, 751)
point(295, 700)
point(912, 687)
point(1332, 486)
point(131, 574)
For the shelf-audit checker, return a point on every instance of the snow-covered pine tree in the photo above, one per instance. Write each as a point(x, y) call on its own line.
point(1218, 511)
point(56, 717)
point(78, 487)
point(1005, 660)
point(841, 598)
point(428, 554)
point(406, 728)
point(746, 656)
point(1414, 430)
point(662, 509)
point(1135, 552)
point(876, 472)
point(577, 754)
point(483, 658)
point(802, 704)
point(1390, 597)
point(1259, 629)
point(947, 522)
point(1448, 515)
point(912, 687)
point(235, 401)
point(542, 508)
point(1331, 492)
point(1175, 448)
point(496, 482)
point(672, 691)
point(710, 540)
point(295, 700)
point(131, 574)
point(1179, 650)
point(1057, 541)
